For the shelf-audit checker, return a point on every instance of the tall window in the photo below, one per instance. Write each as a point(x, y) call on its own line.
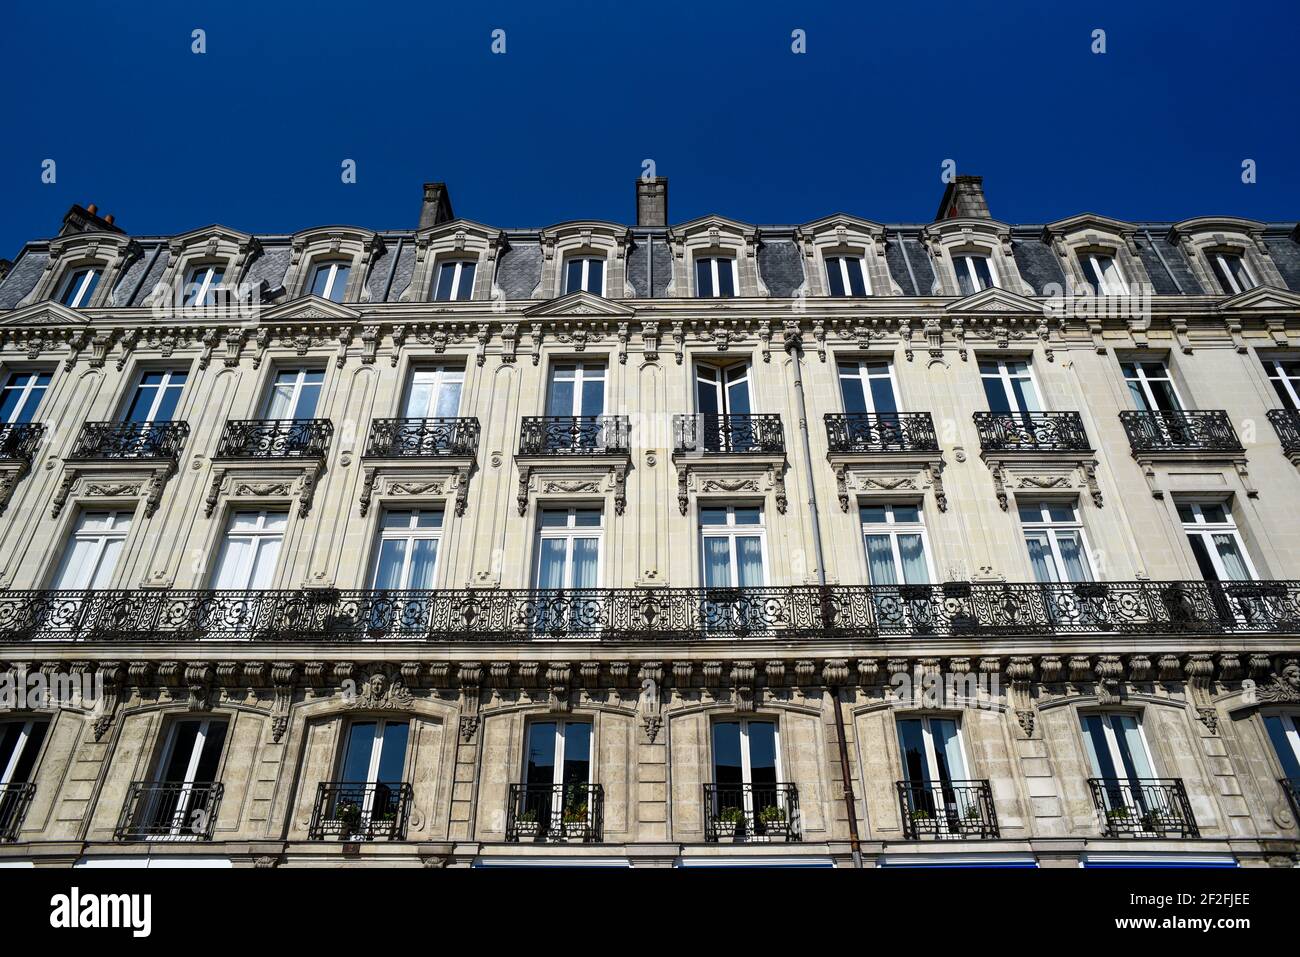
point(21, 396)
point(1232, 272)
point(1151, 387)
point(434, 393)
point(251, 550)
point(932, 754)
point(1054, 538)
point(455, 280)
point(408, 548)
point(1285, 376)
point(846, 277)
point(576, 389)
point(156, 397)
point(20, 744)
point(295, 393)
point(558, 774)
point(715, 277)
point(329, 280)
point(747, 792)
point(1102, 274)
point(732, 546)
point(895, 541)
point(974, 273)
point(201, 285)
point(188, 769)
point(585, 273)
point(91, 556)
point(78, 287)
point(1009, 385)
point(867, 385)
point(1116, 747)
point(372, 774)
point(1283, 731)
point(722, 390)
point(1215, 542)
point(568, 548)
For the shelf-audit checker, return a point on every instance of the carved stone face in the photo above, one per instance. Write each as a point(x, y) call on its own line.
point(377, 682)
point(1291, 674)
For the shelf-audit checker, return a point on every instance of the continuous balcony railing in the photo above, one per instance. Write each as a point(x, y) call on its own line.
point(1143, 807)
point(169, 811)
point(857, 612)
point(1165, 431)
point(1291, 788)
point(275, 439)
point(729, 434)
point(751, 812)
point(356, 811)
point(422, 438)
point(555, 812)
point(1032, 432)
point(18, 441)
point(953, 811)
point(14, 801)
point(131, 441)
point(881, 432)
point(1286, 423)
point(574, 435)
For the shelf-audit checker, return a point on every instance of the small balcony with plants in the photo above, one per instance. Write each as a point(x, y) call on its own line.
point(354, 811)
point(555, 813)
point(751, 813)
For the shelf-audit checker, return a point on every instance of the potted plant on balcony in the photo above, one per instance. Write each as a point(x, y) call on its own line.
point(920, 818)
point(773, 820)
point(726, 822)
point(347, 814)
point(575, 822)
point(526, 825)
point(1119, 817)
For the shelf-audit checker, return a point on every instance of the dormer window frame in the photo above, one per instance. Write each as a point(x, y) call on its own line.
point(209, 247)
point(1078, 242)
point(714, 237)
point(333, 265)
point(952, 239)
point(584, 261)
point(80, 276)
point(567, 242)
point(458, 291)
point(109, 253)
point(201, 284)
point(324, 246)
point(455, 240)
point(1092, 262)
point(1205, 237)
point(716, 275)
point(841, 237)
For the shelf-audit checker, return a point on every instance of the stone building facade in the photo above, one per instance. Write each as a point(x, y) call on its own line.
point(686, 544)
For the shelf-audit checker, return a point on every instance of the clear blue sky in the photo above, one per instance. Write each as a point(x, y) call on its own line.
point(252, 133)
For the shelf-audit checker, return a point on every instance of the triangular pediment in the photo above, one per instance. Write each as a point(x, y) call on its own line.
point(1084, 221)
point(848, 221)
point(712, 221)
point(45, 314)
point(454, 226)
point(579, 304)
point(995, 300)
point(212, 231)
point(1262, 298)
point(311, 307)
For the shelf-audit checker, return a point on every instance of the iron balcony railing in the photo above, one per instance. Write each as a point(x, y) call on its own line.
point(729, 434)
point(1165, 431)
point(947, 811)
point(130, 440)
point(881, 432)
point(555, 812)
point(1032, 432)
point(275, 439)
point(18, 441)
point(1291, 788)
point(169, 811)
point(954, 609)
point(1143, 807)
point(1286, 423)
point(357, 811)
point(14, 801)
point(751, 812)
point(422, 438)
point(574, 435)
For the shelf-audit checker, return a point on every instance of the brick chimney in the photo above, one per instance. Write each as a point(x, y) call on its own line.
point(436, 207)
point(964, 199)
point(79, 219)
point(652, 201)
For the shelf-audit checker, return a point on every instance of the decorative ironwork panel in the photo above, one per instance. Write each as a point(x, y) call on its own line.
point(422, 438)
point(169, 811)
point(574, 435)
point(1286, 423)
point(729, 434)
point(751, 812)
point(881, 432)
point(954, 810)
point(555, 812)
point(14, 801)
point(1032, 432)
point(131, 440)
point(275, 439)
point(1143, 807)
point(357, 811)
point(1165, 431)
point(18, 441)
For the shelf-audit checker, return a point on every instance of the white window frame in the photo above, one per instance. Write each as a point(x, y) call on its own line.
point(199, 280)
point(570, 531)
point(562, 726)
point(333, 265)
point(180, 816)
point(458, 265)
point(583, 371)
point(864, 376)
point(24, 741)
point(1141, 377)
point(584, 282)
point(722, 387)
point(26, 389)
point(715, 292)
point(1290, 727)
point(1051, 528)
point(892, 528)
point(299, 382)
point(100, 537)
point(935, 784)
point(1112, 741)
point(411, 533)
point(441, 376)
point(1102, 277)
point(258, 536)
point(1275, 371)
point(85, 273)
point(160, 390)
point(1005, 376)
point(1219, 257)
point(1206, 531)
point(731, 531)
point(746, 763)
point(960, 263)
point(841, 263)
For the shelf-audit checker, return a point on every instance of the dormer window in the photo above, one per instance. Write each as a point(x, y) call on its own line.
point(1102, 274)
point(974, 272)
point(1231, 271)
point(79, 286)
point(715, 277)
point(846, 277)
point(330, 280)
point(202, 284)
point(455, 281)
point(586, 274)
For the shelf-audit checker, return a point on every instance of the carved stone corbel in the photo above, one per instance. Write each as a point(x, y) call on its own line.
point(650, 702)
point(469, 677)
point(1021, 672)
point(111, 675)
point(1199, 669)
point(284, 678)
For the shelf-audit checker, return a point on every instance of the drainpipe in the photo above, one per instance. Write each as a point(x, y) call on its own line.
point(392, 269)
point(794, 348)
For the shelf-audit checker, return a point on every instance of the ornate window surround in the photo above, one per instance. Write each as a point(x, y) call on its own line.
point(1089, 233)
point(715, 236)
point(323, 244)
point(844, 235)
point(211, 245)
point(1204, 235)
point(458, 239)
point(586, 238)
point(987, 237)
point(110, 252)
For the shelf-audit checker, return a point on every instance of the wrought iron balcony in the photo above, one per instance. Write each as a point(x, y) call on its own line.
point(1286, 423)
point(800, 612)
point(1291, 788)
point(18, 441)
point(1165, 431)
point(356, 811)
point(574, 435)
point(955, 811)
point(14, 801)
point(729, 434)
point(422, 438)
point(131, 441)
point(881, 432)
point(169, 811)
point(555, 812)
point(751, 812)
point(275, 439)
point(1032, 432)
point(1143, 807)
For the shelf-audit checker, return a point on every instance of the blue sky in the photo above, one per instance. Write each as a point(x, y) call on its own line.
point(252, 133)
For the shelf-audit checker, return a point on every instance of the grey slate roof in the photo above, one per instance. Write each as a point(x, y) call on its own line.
point(1171, 274)
point(1038, 264)
point(519, 270)
point(1286, 256)
point(781, 267)
point(22, 278)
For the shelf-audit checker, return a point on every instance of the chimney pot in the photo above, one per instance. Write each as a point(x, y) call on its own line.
point(109, 219)
point(92, 209)
point(652, 201)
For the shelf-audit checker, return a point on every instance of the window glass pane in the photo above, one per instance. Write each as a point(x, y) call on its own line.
point(995, 394)
point(965, 283)
point(1026, 397)
point(851, 389)
point(726, 285)
point(748, 516)
point(704, 277)
point(596, 276)
point(1214, 513)
point(834, 278)
point(429, 518)
point(1031, 513)
point(857, 284)
point(762, 752)
point(1040, 557)
point(554, 518)
point(911, 550)
point(712, 515)
point(907, 513)
point(1071, 549)
point(559, 400)
point(577, 754)
point(1132, 751)
point(573, 281)
point(392, 759)
point(210, 757)
point(880, 560)
point(882, 395)
point(586, 553)
point(446, 282)
point(178, 762)
point(911, 743)
point(947, 750)
point(1203, 561)
point(1094, 738)
point(749, 556)
point(1234, 564)
point(1061, 513)
point(717, 562)
point(465, 286)
point(392, 559)
point(541, 753)
point(356, 759)
point(320, 281)
point(727, 767)
point(982, 271)
point(1186, 514)
point(587, 518)
point(1284, 743)
point(550, 572)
